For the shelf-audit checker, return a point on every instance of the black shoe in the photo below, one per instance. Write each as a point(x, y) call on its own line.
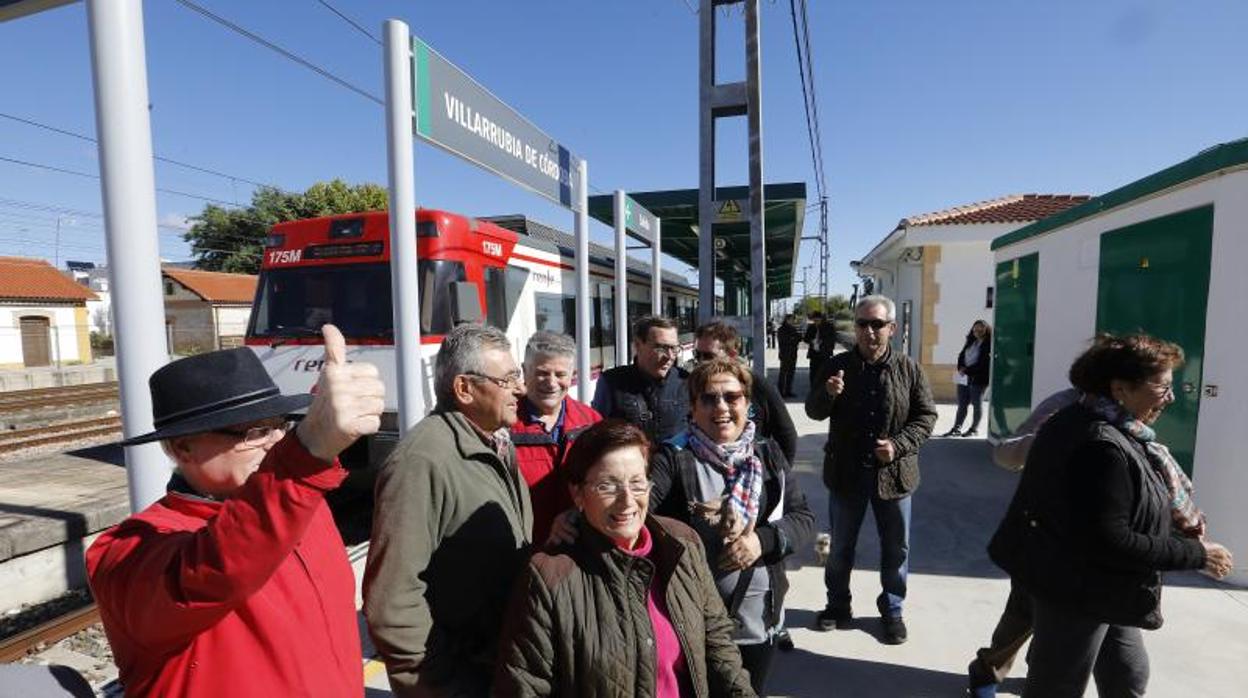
point(830, 618)
point(971, 433)
point(952, 432)
point(894, 630)
point(784, 641)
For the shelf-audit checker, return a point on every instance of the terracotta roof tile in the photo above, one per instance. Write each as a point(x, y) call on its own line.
point(1016, 208)
point(36, 280)
point(215, 286)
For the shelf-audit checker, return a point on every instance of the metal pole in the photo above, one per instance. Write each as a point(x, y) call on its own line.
point(656, 266)
point(706, 162)
point(403, 277)
point(583, 300)
point(621, 282)
point(758, 238)
point(128, 189)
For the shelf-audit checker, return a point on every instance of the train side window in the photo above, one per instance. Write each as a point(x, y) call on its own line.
point(503, 287)
point(436, 276)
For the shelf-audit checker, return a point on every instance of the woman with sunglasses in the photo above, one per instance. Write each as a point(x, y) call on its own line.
point(1102, 509)
point(739, 493)
point(626, 609)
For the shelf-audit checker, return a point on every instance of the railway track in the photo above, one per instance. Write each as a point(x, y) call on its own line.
point(65, 433)
point(43, 398)
point(48, 633)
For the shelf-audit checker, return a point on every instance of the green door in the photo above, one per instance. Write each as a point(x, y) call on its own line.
point(1013, 344)
point(1154, 277)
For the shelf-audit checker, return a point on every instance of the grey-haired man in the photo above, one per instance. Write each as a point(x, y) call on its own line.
point(452, 525)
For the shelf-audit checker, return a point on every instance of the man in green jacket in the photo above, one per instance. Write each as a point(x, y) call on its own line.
point(881, 412)
point(451, 525)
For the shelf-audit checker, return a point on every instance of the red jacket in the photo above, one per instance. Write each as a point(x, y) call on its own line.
point(253, 596)
point(539, 457)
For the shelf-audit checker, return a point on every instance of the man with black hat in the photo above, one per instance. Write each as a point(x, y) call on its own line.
point(237, 582)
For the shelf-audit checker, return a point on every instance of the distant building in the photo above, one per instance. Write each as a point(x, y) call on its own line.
point(100, 310)
point(43, 315)
point(938, 268)
point(205, 310)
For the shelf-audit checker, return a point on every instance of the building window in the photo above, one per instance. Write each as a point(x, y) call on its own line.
point(168, 288)
point(988, 298)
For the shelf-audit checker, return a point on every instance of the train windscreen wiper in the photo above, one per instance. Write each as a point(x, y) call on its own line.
point(283, 334)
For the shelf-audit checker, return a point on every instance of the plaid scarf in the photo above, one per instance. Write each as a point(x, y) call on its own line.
point(1187, 517)
point(741, 468)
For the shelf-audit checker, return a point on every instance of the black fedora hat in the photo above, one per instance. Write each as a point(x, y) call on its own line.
point(213, 391)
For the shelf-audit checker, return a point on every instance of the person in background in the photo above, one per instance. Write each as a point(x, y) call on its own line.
point(719, 340)
point(771, 333)
point(628, 608)
point(451, 525)
point(1101, 510)
point(236, 582)
point(739, 493)
point(992, 663)
point(974, 362)
point(650, 392)
point(549, 420)
point(880, 411)
point(789, 337)
point(820, 342)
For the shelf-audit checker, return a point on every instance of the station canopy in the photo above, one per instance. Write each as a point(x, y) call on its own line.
point(783, 216)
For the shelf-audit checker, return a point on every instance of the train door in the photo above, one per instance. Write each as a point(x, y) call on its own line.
point(602, 338)
point(1013, 344)
point(1154, 277)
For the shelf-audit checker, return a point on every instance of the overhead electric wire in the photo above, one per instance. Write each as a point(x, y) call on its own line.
point(76, 173)
point(279, 50)
point(350, 21)
point(816, 158)
point(171, 161)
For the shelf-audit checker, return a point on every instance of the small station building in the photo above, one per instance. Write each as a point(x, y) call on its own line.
point(1163, 255)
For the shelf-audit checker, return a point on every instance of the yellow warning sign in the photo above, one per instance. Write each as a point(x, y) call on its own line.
point(729, 210)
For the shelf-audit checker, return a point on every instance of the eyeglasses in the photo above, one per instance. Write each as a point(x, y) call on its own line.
point(712, 399)
point(705, 355)
point(512, 380)
point(672, 349)
point(256, 436)
point(610, 489)
point(875, 324)
point(1161, 389)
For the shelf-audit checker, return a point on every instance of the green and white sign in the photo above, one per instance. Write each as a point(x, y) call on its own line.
point(454, 112)
point(638, 221)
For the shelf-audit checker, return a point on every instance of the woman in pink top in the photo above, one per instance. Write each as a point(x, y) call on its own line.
point(630, 608)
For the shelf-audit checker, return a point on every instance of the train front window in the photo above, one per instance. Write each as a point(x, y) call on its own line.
point(295, 302)
point(436, 277)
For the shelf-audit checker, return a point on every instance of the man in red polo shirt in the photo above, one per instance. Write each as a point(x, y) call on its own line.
point(548, 421)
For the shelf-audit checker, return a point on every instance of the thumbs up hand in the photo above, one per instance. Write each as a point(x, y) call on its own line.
point(836, 384)
point(348, 404)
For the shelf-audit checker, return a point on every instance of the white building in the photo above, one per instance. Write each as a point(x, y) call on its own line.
point(1160, 255)
point(206, 310)
point(43, 316)
point(937, 267)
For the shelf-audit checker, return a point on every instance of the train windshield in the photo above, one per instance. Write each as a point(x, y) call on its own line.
point(295, 302)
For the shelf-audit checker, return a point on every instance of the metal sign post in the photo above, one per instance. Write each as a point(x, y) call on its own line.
point(621, 280)
point(128, 186)
point(583, 368)
point(404, 279)
point(656, 280)
point(457, 114)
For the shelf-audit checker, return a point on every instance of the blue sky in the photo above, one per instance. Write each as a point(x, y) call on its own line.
point(924, 105)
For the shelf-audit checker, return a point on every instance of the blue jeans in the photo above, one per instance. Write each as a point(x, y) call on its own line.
point(892, 521)
point(973, 396)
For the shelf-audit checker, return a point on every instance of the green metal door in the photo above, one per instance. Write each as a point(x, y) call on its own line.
point(1013, 343)
point(1154, 277)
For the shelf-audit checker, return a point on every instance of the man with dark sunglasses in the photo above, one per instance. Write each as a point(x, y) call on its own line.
point(880, 411)
point(719, 340)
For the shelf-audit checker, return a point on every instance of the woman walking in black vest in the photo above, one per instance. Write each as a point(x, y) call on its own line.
point(1101, 510)
point(973, 370)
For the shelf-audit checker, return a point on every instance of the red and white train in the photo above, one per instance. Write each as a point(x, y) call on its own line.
point(337, 269)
